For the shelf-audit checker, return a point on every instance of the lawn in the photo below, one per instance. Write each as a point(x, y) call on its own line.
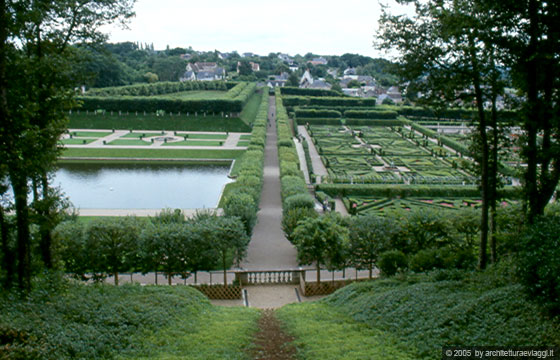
point(152, 153)
point(90, 134)
point(194, 143)
point(75, 141)
point(130, 142)
point(205, 136)
point(138, 135)
point(249, 112)
point(151, 121)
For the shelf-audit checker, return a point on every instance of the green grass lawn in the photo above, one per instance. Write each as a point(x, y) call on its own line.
point(206, 136)
point(194, 143)
point(76, 141)
point(198, 95)
point(66, 320)
point(323, 332)
point(130, 142)
point(137, 135)
point(245, 137)
point(243, 143)
point(249, 112)
point(152, 153)
point(92, 134)
point(152, 122)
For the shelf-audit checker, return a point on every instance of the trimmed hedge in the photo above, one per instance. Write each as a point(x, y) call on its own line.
point(370, 114)
point(294, 190)
point(455, 114)
point(318, 121)
point(238, 97)
point(290, 90)
point(444, 140)
point(371, 122)
point(403, 191)
point(328, 101)
point(160, 88)
point(317, 113)
point(242, 197)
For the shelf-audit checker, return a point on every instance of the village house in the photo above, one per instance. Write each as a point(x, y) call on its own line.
point(318, 61)
point(277, 80)
point(203, 71)
point(307, 82)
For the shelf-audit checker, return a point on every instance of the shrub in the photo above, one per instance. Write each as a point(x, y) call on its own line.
point(370, 114)
point(244, 207)
point(299, 201)
point(539, 262)
point(392, 261)
point(317, 113)
point(292, 218)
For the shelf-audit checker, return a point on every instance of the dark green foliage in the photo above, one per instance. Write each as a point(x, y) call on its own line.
point(318, 121)
point(373, 122)
point(539, 261)
point(392, 261)
point(244, 207)
point(449, 309)
point(72, 321)
point(302, 200)
point(292, 217)
point(317, 113)
point(370, 114)
point(392, 191)
point(323, 101)
point(290, 90)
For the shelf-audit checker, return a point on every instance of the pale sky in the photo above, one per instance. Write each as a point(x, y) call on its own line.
point(325, 27)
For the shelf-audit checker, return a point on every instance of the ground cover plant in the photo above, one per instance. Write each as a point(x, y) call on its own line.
point(61, 319)
point(128, 142)
point(75, 141)
point(89, 134)
point(194, 143)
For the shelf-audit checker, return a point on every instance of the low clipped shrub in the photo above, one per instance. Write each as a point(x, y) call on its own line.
point(292, 217)
point(299, 201)
point(244, 207)
point(392, 261)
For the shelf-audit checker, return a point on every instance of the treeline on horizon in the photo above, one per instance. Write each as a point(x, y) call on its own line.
point(125, 63)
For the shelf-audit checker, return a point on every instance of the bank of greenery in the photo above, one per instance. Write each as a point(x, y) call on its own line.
point(61, 319)
point(242, 197)
point(413, 316)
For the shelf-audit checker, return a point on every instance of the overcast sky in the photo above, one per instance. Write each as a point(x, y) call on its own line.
point(325, 27)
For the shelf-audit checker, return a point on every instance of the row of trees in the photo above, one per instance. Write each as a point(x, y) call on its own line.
point(429, 238)
point(167, 243)
point(469, 51)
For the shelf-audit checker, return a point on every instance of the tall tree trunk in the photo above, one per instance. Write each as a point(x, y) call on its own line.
point(318, 273)
point(116, 277)
point(482, 257)
point(224, 267)
point(493, 198)
point(8, 259)
point(46, 238)
point(20, 188)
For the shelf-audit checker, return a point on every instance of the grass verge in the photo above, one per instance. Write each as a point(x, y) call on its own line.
point(153, 153)
point(249, 112)
point(195, 143)
point(323, 332)
point(129, 142)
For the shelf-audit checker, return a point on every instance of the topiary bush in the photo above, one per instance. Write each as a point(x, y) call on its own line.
point(392, 261)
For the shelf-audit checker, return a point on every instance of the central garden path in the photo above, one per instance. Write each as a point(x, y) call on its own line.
point(269, 248)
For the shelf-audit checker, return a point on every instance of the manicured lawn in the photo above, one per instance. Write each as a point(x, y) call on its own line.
point(91, 134)
point(152, 153)
point(76, 141)
point(152, 122)
point(202, 95)
point(245, 137)
point(129, 142)
point(243, 143)
point(194, 143)
point(205, 136)
point(137, 135)
point(249, 112)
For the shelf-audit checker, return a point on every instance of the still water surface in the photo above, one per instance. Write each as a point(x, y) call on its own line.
point(142, 186)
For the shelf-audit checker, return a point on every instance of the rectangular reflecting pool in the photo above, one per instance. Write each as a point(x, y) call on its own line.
point(142, 185)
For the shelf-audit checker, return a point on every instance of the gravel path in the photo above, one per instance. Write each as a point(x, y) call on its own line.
point(269, 248)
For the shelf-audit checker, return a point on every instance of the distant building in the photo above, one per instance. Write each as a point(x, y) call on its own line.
point(307, 82)
point(254, 66)
point(350, 71)
point(318, 61)
point(277, 80)
point(203, 71)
